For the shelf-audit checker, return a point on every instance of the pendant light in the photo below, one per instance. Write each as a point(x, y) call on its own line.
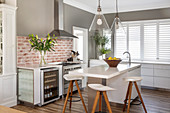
point(117, 24)
point(99, 22)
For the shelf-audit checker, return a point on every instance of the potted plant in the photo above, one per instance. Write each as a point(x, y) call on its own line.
point(100, 42)
point(38, 44)
point(104, 51)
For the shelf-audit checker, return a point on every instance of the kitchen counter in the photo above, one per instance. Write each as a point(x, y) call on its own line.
point(104, 71)
point(36, 66)
point(112, 77)
point(148, 62)
point(102, 62)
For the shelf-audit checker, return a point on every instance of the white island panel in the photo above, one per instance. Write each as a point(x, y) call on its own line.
point(110, 76)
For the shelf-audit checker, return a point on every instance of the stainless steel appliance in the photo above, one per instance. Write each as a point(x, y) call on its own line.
point(69, 66)
point(49, 85)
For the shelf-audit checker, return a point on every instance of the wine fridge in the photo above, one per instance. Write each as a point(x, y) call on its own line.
point(49, 85)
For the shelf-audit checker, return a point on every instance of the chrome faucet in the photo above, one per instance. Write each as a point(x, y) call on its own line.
point(129, 56)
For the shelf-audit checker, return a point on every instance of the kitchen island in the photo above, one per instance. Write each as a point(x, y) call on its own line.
point(112, 77)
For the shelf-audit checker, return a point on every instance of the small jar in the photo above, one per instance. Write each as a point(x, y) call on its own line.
point(2, 1)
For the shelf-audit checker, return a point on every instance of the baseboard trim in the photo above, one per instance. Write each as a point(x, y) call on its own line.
point(10, 103)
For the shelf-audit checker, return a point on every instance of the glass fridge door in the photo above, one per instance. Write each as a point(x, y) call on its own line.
point(51, 85)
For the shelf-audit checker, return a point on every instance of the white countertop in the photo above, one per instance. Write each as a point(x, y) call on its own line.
point(138, 61)
point(36, 66)
point(148, 62)
point(104, 71)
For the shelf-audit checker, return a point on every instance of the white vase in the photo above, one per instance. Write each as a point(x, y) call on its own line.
point(100, 57)
point(104, 56)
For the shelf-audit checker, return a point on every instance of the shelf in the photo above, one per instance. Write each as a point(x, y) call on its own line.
point(50, 76)
point(50, 81)
point(52, 88)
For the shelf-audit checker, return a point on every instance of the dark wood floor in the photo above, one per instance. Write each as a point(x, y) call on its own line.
point(156, 101)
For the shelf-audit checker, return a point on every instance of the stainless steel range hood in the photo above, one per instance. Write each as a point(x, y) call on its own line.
point(59, 22)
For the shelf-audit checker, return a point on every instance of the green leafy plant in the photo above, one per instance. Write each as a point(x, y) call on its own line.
point(38, 44)
point(42, 45)
point(100, 40)
point(104, 41)
point(105, 51)
point(97, 38)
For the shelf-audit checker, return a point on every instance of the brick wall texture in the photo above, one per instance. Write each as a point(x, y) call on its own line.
point(27, 57)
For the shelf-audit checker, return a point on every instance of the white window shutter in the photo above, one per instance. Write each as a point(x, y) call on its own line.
point(150, 41)
point(134, 41)
point(164, 41)
point(120, 43)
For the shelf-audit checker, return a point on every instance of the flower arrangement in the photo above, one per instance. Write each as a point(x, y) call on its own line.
point(38, 44)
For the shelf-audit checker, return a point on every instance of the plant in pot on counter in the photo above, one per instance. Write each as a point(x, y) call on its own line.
point(42, 45)
point(104, 51)
point(100, 42)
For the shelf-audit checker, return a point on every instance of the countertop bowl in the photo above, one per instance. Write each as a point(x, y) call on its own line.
point(112, 63)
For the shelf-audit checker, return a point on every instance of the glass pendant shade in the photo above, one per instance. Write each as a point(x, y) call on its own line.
point(117, 25)
point(99, 23)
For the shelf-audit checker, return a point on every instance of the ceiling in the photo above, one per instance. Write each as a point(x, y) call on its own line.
point(108, 6)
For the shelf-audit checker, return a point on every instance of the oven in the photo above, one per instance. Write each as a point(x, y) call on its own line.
point(49, 85)
point(66, 70)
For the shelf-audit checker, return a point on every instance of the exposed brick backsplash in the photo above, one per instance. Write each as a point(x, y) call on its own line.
point(27, 57)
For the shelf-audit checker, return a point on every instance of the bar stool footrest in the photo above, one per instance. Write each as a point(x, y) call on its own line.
point(132, 100)
point(75, 100)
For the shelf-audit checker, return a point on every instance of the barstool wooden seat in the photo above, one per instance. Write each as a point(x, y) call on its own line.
point(72, 79)
point(132, 80)
point(100, 89)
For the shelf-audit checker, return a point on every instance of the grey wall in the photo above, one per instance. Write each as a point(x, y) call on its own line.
point(76, 17)
point(140, 15)
point(79, 18)
point(35, 17)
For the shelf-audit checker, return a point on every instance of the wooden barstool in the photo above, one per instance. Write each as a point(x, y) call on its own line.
point(72, 79)
point(100, 89)
point(132, 80)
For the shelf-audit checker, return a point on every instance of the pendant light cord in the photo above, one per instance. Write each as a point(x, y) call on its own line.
point(99, 3)
point(99, 8)
point(117, 9)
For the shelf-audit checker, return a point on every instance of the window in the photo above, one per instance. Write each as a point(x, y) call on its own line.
point(120, 43)
point(150, 39)
point(134, 41)
point(108, 34)
point(145, 40)
point(164, 41)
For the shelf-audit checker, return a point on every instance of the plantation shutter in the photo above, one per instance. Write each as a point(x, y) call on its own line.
point(150, 41)
point(134, 41)
point(164, 41)
point(120, 43)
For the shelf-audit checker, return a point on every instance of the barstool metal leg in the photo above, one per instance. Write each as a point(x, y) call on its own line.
point(130, 92)
point(140, 96)
point(71, 94)
point(81, 96)
point(107, 102)
point(125, 101)
point(65, 103)
point(95, 101)
point(100, 102)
